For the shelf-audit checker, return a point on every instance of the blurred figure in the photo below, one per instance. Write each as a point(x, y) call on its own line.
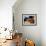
point(29, 20)
point(29, 43)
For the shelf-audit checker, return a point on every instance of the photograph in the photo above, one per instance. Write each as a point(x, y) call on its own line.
point(29, 19)
point(22, 22)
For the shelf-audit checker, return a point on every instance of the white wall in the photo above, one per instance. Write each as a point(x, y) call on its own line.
point(43, 22)
point(31, 6)
point(6, 13)
point(28, 7)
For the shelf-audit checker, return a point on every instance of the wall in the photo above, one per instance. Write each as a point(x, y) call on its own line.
point(28, 7)
point(6, 17)
point(43, 22)
point(6, 13)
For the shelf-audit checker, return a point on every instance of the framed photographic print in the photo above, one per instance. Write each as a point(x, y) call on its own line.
point(29, 19)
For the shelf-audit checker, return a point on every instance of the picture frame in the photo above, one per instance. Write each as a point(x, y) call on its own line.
point(29, 19)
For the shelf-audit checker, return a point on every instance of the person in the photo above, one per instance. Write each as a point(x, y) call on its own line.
point(29, 20)
point(18, 39)
point(29, 43)
point(26, 21)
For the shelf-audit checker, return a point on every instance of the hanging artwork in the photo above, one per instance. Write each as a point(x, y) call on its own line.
point(29, 19)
